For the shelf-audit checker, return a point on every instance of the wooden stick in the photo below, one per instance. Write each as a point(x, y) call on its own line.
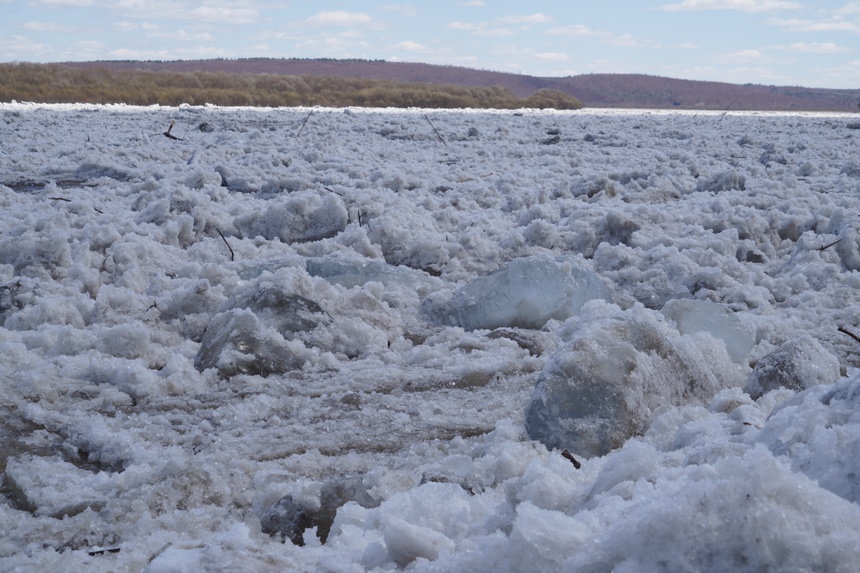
point(844, 330)
point(825, 247)
point(167, 133)
point(304, 122)
point(434, 129)
point(226, 243)
point(568, 456)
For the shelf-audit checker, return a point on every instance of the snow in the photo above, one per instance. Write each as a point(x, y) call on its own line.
point(352, 346)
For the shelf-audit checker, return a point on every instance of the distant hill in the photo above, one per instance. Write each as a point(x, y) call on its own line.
point(595, 90)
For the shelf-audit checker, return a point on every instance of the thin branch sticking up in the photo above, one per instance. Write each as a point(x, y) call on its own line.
point(232, 255)
point(303, 123)
point(167, 133)
point(844, 330)
point(435, 130)
point(723, 115)
point(365, 223)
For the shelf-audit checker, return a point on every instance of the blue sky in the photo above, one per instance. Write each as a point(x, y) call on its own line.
point(782, 42)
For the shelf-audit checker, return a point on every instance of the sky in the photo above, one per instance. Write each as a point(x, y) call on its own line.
point(773, 42)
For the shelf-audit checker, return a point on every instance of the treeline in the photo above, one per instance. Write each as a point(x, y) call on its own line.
point(55, 83)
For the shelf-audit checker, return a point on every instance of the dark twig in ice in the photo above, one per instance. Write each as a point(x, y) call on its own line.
point(435, 130)
point(232, 255)
point(60, 199)
point(827, 246)
point(167, 133)
point(304, 122)
point(568, 456)
point(103, 551)
point(844, 330)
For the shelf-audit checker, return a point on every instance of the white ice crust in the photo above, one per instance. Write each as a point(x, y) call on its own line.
point(216, 348)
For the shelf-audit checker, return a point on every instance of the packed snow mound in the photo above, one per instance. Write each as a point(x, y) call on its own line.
point(619, 368)
point(711, 473)
point(526, 293)
point(797, 364)
point(277, 321)
point(299, 218)
point(717, 320)
point(817, 430)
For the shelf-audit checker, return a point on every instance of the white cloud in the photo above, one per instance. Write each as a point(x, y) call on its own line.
point(797, 25)
point(340, 18)
point(754, 74)
point(575, 31)
point(816, 48)
point(64, 3)
point(410, 46)
point(131, 26)
point(227, 15)
point(581, 31)
point(739, 5)
point(464, 26)
point(474, 3)
point(746, 58)
point(403, 9)
point(185, 35)
point(532, 19)
point(552, 56)
point(745, 55)
point(624, 41)
point(480, 29)
point(20, 46)
point(504, 26)
point(850, 8)
point(43, 26)
point(238, 12)
point(840, 76)
point(335, 47)
point(199, 52)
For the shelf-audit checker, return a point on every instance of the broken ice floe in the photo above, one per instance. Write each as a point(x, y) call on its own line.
point(300, 218)
point(526, 293)
point(605, 384)
point(269, 325)
point(797, 364)
point(356, 273)
point(717, 320)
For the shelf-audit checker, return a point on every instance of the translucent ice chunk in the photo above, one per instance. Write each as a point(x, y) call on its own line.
point(717, 320)
point(357, 273)
point(604, 386)
point(237, 342)
point(526, 293)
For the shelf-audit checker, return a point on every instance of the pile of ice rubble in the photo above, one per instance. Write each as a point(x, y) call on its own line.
point(383, 380)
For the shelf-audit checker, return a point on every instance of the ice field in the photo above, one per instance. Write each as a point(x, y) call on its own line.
point(368, 340)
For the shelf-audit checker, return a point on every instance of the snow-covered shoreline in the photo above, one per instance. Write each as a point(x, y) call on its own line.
point(310, 246)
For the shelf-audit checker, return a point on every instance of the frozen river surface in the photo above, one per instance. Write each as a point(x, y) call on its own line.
point(438, 341)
